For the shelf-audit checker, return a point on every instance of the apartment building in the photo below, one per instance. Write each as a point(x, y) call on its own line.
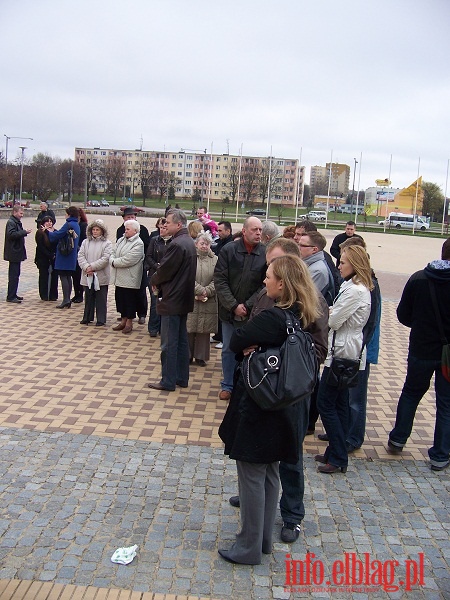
point(339, 183)
point(210, 176)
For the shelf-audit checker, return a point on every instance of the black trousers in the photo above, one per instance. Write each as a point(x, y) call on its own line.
point(13, 280)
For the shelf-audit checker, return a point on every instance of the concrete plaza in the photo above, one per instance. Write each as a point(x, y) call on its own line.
point(92, 460)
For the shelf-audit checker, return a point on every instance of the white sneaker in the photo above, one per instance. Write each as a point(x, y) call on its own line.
point(219, 346)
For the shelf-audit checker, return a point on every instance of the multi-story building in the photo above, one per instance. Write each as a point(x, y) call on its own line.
point(339, 182)
point(214, 177)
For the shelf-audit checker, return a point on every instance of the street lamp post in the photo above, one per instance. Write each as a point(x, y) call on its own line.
point(10, 137)
point(23, 148)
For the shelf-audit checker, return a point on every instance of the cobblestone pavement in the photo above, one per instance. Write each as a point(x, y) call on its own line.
point(92, 460)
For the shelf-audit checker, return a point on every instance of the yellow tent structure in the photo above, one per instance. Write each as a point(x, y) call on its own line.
point(409, 200)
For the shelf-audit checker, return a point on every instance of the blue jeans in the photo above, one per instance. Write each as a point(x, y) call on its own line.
point(292, 477)
point(154, 320)
point(174, 352)
point(228, 358)
point(416, 384)
point(333, 408)
point(358, 404)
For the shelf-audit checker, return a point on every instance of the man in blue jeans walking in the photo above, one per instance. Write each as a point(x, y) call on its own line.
point(416, 310)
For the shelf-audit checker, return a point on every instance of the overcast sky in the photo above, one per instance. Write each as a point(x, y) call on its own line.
point(341, 76)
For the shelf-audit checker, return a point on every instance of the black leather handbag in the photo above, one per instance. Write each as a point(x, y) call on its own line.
point(279, 377)
point(343, 373)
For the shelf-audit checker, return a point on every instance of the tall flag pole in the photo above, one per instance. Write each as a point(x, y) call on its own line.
point(415, 199)
point(329, 185)
point(357, 193)
point(239, 184)
point(445, 199)
point(299, 183)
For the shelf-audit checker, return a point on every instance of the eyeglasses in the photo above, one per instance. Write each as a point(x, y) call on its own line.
point(306, 246)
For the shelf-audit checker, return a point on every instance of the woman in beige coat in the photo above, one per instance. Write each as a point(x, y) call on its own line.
point(203, 320)
point(93, 258)
point(126, 261)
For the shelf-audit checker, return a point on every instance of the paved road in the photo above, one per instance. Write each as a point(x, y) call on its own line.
point(91, 460)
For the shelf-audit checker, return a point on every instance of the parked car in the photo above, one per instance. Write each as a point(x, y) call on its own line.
point(317, 215)
point(256, 212)
point(104, 203)
point(93, 203)
point(138, 209)
point(25, 203)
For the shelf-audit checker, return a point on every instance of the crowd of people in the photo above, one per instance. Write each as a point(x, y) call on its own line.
point(202, 280)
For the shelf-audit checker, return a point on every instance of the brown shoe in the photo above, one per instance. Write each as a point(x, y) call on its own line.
point(225, 395)
point(119, 327)
point(127, 329)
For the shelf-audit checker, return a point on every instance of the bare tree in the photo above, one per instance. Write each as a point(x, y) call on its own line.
point(45, 175)
point(249, 179)
point(114, 172)
point(269, 176)
point(232, 181)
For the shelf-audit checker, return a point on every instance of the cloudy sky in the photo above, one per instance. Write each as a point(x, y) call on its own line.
point(298, 76)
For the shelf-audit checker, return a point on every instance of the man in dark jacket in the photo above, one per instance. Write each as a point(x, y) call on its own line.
point(349, 232)
point(130, 213)
point(45, 212)
point(224, 232)
point(238, 277)
point(417, 311)
point(174, 281)
point(14, 251)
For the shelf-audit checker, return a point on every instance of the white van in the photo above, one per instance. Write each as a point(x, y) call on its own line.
point(399, 221)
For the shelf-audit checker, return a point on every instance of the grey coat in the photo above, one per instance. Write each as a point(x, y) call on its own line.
point(204, 317)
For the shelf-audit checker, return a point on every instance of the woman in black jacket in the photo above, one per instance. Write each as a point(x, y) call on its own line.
point(45, 261)
point(154, 255)
point(259, 439)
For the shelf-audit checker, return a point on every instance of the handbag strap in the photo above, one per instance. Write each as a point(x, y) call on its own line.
point(437, 312)
point(333, 341)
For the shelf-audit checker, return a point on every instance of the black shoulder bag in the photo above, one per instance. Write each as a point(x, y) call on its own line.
point(276, 378)
point(343, 373)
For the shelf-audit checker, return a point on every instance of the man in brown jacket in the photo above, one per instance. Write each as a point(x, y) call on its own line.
point(174, 282)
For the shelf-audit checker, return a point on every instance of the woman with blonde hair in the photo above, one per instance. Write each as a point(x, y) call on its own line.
point(194, 228)
point(259, 439)
point(348, 315)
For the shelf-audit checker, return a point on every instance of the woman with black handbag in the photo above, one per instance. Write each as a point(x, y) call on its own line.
point(346, 355)
point(259, 439)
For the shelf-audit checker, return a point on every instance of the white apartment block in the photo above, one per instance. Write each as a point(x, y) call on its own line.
point(214, 176)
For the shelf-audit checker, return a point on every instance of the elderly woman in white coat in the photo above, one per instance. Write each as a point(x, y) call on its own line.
point(348, 315)
point(93, 258)
point(126, 261)
point(203, 320)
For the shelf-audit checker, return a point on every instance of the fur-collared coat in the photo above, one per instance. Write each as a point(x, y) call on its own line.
point(95, 252)
point(204, 317)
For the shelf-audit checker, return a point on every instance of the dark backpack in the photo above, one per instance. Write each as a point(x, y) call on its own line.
point(67, 243)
